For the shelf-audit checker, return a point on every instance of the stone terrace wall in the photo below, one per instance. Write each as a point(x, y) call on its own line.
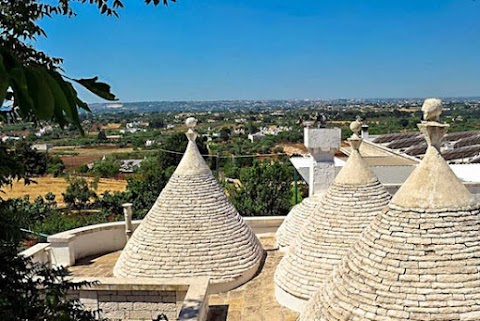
point(134, 305)
point(146, 299)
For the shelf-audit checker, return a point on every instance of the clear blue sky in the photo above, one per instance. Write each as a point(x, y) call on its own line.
point(275, 49)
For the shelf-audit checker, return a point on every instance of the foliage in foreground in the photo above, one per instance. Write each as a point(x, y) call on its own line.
point(33, 292)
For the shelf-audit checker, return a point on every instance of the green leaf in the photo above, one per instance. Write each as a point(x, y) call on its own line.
point(71, 108)
point(100, 89)
point(83, 104)
point(40, 92)
point(71, 97)
point(20, 89)
point(61, 102)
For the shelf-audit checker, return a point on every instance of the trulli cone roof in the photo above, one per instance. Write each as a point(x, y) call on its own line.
point(418, 260)
point(294, 221)
point(349, 205)
point(192, 230)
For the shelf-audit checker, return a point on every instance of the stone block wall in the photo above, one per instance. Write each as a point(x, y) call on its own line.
point(134, 305)
point(184, 299)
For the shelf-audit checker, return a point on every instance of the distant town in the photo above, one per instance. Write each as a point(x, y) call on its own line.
point(128, 151)
point(224, 105)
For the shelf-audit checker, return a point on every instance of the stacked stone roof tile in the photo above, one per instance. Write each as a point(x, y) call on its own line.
point(418, 260)
point(296, 218)
point(192, 230)
point(349, 205)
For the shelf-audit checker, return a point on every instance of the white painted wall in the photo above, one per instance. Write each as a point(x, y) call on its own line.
point(67, 247)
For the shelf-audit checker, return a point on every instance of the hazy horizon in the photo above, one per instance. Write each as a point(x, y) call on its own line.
point(286, 99)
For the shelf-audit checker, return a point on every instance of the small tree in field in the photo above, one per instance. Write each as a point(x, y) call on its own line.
point(107, 167)
point(35, 163)
point(78, 194)
point(55, 166)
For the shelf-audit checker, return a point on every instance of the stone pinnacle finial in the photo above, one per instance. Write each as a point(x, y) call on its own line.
point(191, 122)
point(432, 108)
point(355, 127)
point(431, 127)
point(355, 142)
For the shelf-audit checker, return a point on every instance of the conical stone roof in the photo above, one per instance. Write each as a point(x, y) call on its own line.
point(418, 260)
point(192, 230)
point(349, 205)
point(296, 218)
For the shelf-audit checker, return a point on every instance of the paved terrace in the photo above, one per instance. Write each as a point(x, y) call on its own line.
point(254, 301)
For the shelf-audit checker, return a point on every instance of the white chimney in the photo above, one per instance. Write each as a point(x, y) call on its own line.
point(322, 143)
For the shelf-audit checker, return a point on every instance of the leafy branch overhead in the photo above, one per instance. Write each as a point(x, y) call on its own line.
point(33, 79)
point(43, 93)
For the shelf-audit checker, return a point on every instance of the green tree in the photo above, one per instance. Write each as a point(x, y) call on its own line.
point(55, 166)
point(35, 163)
point(42, 294)
point(403, 122)
point(39, 87)
point(156, 122)
point(225, 133)
point(143, 188)
point(111, 203)
point(177, 143)
point(78, 194)
point(101, 136)
point(266, 189)
point(107, 167)
point(30, 291)
point(10, 168)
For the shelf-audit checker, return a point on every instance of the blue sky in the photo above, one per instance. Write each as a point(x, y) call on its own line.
point(275, 49)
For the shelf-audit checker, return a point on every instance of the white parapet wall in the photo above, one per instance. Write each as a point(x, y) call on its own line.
point(39, 253)
point(67, 247)
point(264, 224)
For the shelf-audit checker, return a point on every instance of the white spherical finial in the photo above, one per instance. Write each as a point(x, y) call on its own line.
point(432, 108)
point(191, 122)
point(356, 126)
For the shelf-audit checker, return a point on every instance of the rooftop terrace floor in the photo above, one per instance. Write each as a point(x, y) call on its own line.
point(253, 301)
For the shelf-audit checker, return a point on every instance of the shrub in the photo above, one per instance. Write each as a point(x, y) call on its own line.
point(78, 194)
point(107, 167)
